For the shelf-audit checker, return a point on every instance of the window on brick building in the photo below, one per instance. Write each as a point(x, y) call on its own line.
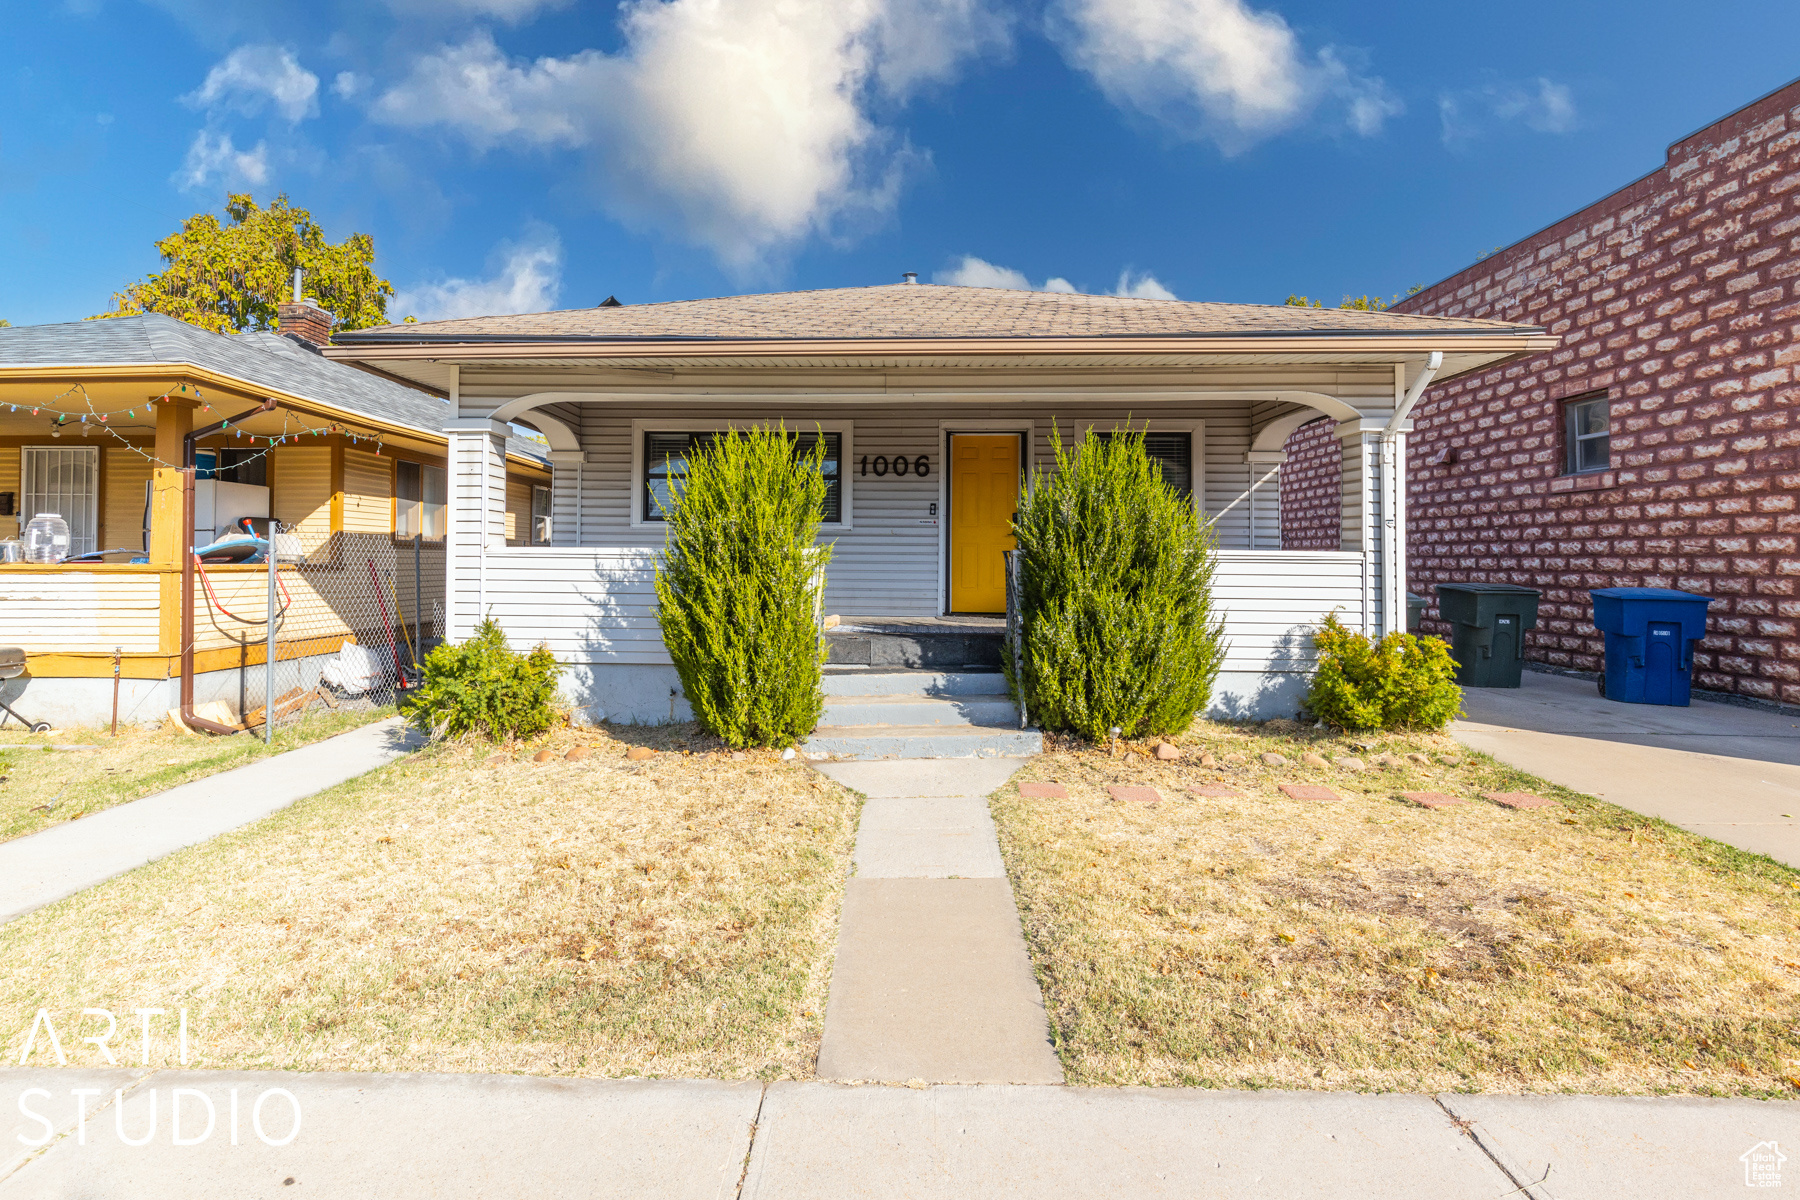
point(1587, 434)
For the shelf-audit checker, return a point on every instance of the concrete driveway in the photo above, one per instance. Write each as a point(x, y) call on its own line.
point(1726, 772)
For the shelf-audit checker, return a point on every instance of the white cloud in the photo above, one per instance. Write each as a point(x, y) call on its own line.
point(1143, 286)
point(1214, 69)
point(970, 271)
point(1538, 104)
point(528, 278)
point(349, 84)
point(740, 125)
point(252, 76)
point(213, 157)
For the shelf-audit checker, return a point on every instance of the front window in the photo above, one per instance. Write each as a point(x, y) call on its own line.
point(420, 492)
point(65, 481)
point(1587, 423)
point(1174, 454)
point(665, 468)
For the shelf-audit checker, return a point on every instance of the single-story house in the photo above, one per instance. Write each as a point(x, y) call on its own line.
point(94, 416)
point(936, 404)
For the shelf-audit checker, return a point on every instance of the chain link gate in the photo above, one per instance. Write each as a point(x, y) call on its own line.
point(355, 615)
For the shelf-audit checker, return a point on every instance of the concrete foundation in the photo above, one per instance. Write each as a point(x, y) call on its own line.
point(641, 695)
point(77, 703)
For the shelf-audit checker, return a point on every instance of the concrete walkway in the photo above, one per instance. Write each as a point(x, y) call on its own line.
point(64, 859)
point(403, 1137)
point(1729, 773)
point(932, 981)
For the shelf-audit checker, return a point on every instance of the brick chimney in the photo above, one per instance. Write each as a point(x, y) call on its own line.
point(303, 320)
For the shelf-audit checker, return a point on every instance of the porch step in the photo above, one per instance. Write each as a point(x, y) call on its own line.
point(891, 709)
point(865, 681)
point(915, 646)
point(923, 741)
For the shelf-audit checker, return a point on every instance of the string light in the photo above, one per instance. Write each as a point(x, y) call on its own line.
point(59, 417)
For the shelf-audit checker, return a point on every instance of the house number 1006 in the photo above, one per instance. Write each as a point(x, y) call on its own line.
point(881, 464)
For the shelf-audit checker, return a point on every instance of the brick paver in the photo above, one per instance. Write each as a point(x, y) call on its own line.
point(1433, 799)
point(1043, 791)
point(1130, 791)
point(1309, 791)
point(1213, 789)
point(1518, 800)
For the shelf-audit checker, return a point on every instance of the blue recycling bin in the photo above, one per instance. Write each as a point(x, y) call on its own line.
point(1650, 636)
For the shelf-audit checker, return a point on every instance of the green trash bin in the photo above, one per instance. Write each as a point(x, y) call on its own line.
point(1487, 630)
point(1415, 611)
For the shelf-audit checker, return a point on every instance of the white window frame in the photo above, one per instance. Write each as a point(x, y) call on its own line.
point(540, 535)
point(423, 501)
point(678, 424)
point(89, 519)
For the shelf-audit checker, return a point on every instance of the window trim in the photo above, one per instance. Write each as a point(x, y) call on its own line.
point(1570, 441)
point(846, 429)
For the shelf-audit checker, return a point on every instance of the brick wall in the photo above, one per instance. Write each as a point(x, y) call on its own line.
point(1312, 488)
point(1677, 297)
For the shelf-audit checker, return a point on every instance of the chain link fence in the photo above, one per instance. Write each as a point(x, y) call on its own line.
point(355, 615)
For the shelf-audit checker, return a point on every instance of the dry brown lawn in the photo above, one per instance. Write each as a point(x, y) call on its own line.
point(1374, 944)
point(670, 917)
point(48, 778)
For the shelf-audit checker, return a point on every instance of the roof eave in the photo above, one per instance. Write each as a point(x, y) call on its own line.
point(1524, 340)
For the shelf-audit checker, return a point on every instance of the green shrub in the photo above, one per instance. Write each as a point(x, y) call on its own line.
point(1400, 682)
point(1116, 583)
point(738, 590)
point(482, 686)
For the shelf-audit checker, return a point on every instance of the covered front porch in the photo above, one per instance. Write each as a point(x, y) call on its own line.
point(935, 405)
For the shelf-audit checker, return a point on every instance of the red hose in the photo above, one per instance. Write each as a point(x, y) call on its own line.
point(207, 584)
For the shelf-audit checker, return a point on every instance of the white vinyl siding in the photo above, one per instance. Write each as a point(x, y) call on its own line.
point(64, 480)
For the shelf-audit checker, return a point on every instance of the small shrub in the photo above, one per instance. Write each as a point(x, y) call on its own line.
point(1119, 627)
point(483, 686)
point(738, 590)
point(1400, 682)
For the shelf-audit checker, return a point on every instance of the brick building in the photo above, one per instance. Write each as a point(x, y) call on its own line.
point(1658, 445)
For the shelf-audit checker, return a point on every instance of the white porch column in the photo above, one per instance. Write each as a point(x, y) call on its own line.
point(566, 470)
point(1365, 508)
point(476, 521)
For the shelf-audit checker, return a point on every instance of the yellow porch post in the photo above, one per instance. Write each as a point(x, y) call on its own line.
point(174, 420)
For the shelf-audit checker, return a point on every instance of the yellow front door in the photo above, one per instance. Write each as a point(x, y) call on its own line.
point(984, 493)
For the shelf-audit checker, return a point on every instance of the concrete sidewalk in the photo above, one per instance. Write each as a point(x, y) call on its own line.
point(932, 980)
point(64, 859)
point(1725, 772)
point(402, 1137)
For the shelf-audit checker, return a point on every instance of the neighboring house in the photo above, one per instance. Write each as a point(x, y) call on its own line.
point(363, 468)
point(1656, 445)
point(936, 403)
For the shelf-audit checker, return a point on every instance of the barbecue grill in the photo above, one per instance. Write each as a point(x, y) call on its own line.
point(12, 665)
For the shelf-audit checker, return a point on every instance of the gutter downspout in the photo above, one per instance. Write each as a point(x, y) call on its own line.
point(189, 445)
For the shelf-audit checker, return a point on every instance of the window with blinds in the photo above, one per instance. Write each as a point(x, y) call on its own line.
point(665, 467)
point(64, 480)
point(1174, 453)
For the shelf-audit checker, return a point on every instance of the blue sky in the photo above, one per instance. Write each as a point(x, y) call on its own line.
point(512, 155)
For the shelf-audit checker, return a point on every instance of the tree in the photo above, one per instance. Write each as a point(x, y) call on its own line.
point(230, 277)
point(1368, 302)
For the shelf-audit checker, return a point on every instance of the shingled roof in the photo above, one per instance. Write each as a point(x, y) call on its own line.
point(919, 311)
point(260, 359)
